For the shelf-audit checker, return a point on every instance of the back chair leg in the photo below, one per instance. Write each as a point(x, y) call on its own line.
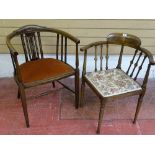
point(140, 99)
point(82, 97)
point(18, 95)
point(102, 107)
point(24, 105)
point(77, 91)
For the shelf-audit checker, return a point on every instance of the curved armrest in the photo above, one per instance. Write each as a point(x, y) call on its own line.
point(13, 52)
point(43, 29)
point(149, 54)
point(74, 39)
point(93, 44)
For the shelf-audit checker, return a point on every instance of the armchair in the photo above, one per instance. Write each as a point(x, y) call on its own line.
point(38, 70)
point(110, 84)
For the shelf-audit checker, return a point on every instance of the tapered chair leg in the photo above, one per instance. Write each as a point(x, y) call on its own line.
point(77, 91)
point(18, 95)
point(102, 107)
point(82, 97)
point(53, 83)
point(140, 99)
point(24, 105)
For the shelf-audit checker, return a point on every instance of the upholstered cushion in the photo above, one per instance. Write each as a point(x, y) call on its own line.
point(44, 69)
point(112, 82)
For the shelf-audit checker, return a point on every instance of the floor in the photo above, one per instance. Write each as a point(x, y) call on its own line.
point(55, 113)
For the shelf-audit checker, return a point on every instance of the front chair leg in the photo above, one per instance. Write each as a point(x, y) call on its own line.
point(140, 99)
point(102, 107)
point(24, 105)
point(77, 89)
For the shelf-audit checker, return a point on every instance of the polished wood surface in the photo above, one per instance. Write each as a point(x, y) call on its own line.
point(31, 41)
point(124, 41)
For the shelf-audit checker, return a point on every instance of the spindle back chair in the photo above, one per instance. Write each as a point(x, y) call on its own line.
point(110, 84)
point(37, 69)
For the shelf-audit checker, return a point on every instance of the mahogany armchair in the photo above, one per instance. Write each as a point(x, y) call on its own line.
point(115, 83)
point(38, 70)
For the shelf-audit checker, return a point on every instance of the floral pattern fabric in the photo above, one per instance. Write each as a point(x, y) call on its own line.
point(112, 82)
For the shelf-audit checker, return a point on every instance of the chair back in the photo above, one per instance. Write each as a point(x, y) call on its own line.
point(120, 43)
point(32, 38)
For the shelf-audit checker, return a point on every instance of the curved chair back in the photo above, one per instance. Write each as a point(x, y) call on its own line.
point(121, 42)
point(31, 41)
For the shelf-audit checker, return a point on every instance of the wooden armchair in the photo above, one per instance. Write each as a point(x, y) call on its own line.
point(36, 69)
point(111, 84)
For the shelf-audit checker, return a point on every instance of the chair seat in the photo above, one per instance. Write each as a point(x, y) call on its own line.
point(112, 82)
point(44, 69)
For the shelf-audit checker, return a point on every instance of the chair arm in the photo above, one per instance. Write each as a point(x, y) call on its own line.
point(13, 52)
point(74, 39)
point(92, 44)
point(149, 54)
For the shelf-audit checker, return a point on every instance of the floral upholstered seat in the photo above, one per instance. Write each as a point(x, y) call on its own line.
point(112, 82)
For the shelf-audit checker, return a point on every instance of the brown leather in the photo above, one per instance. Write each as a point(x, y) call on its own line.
point(43, 69)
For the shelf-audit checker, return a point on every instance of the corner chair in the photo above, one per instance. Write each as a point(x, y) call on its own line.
point(110, 84)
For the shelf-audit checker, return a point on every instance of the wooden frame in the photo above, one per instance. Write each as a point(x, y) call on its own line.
point(32, 47)
point(123, 40)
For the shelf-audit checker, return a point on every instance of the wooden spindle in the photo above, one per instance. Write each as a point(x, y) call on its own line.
point(101, 57)
point(28, 47)
point(40, 44)
point(84, 63)
point(61, 47)
point(107, 56)
point(131, 62)
point(36, 46)
point(77, 57)
point(95, 58)
point(24, 47)
point(57, 46)
point(33, 52)
point(65, 49)
point(136, 64)
point(140, 67)
point(120, 58)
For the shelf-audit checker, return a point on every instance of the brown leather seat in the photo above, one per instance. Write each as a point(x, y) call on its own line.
point(44, 69)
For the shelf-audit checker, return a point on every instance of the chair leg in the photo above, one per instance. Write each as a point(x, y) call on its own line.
point(140, 99)
point(82, 98)
point(77, 89)
point(18, 95)
point(102, 107)
point(53, 83)
point(24, 105)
